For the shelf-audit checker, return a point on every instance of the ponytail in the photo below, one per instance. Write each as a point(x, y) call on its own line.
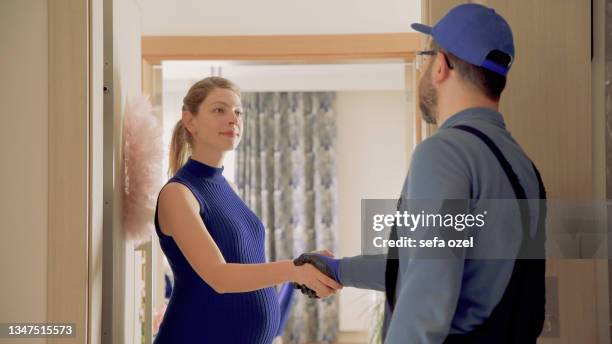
point(180, 148)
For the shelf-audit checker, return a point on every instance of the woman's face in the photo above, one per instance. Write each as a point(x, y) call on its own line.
point(218, 124)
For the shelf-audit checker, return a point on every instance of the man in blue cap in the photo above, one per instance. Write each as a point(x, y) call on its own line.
point(471, 157)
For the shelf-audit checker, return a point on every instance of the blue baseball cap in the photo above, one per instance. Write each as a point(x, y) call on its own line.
point(471, 32)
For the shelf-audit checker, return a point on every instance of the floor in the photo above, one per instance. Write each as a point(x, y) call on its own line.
point(352, 338)
point(343, 338)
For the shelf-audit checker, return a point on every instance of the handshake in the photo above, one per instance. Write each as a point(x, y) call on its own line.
point(325, 281)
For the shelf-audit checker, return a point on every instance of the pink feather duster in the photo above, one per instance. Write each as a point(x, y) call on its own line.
point(142, 168)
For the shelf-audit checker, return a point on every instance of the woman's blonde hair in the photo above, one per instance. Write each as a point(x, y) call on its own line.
point(181, 144)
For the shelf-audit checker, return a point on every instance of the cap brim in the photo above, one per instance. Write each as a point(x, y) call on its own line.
point(421, 28)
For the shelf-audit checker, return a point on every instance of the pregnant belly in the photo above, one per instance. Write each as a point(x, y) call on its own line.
point(208, 317)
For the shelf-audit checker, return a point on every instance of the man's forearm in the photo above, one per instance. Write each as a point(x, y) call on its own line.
point(364, 272)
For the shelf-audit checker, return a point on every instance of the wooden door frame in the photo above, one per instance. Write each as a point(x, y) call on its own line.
point(283, 48)
point(70, 158)
point(288, 49)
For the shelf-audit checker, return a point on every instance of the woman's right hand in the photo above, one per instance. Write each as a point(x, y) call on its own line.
point(314, 279)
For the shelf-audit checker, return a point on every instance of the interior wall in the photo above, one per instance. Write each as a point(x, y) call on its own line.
point(254, 77)
point(95, 282)
point(599, 159)
point(606, 8)
point(599, 89)
point(277, 17)
point(608, 95)
point(23, 142)
point(126, 84)
point(372, 163)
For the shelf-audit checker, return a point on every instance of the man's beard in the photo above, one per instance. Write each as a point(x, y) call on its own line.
point(428, 97)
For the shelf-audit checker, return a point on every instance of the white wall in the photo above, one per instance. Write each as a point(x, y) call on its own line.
point(97, 173)
point(372, 163)
point(127, 83)
point(23, 149)
point(180, 75)
point(277, 17)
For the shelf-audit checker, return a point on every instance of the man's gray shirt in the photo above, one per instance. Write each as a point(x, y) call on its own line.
point(438, 297)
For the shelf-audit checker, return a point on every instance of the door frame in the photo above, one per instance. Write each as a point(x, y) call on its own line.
point(72, 284)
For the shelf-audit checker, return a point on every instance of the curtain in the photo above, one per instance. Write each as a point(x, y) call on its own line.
point(286, 173)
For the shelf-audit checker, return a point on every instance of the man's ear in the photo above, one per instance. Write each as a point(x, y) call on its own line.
point(439, 70)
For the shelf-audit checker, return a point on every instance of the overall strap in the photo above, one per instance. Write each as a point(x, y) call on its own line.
point(392, 266)
point(519, 191)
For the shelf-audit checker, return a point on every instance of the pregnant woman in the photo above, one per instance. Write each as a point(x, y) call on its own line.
point(223, 290)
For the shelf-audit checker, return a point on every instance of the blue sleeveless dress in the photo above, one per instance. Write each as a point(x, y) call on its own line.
point(196, 313)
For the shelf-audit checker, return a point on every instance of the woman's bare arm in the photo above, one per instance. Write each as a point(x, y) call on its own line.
point(179, 217)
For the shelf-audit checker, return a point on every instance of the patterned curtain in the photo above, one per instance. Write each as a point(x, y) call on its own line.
point(286, 173)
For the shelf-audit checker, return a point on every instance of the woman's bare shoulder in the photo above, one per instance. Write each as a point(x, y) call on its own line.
point(173, 198)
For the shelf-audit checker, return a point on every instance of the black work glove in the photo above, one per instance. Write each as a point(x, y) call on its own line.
point(315, 260)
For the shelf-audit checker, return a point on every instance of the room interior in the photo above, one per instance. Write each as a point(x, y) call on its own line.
point(120, 49)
